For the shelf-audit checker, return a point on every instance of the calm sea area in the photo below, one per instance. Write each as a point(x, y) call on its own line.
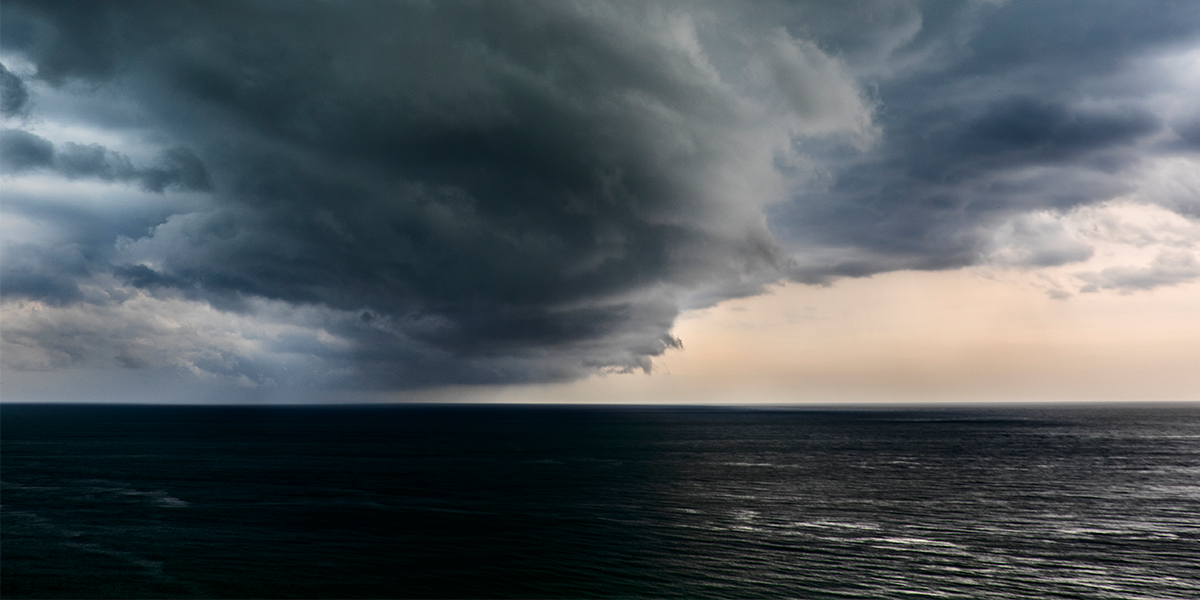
point(592, 502)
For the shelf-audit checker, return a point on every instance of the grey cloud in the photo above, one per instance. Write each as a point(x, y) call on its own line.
point(1024, 130)
point(989, 112)
point(93, 160)
point(23, 151)
point(76, 41)
point(1038, 240)
point(132, 336)
point(1189, 133)
point(1169, 268)
point(176, 168)
point(14, 97)
point(47, 274)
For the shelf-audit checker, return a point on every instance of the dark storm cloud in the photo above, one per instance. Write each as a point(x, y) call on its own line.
point(176, 168)
point(1023, 131)
point(1012, 108)
point(13, 95)
point(513, 192)
point(23, 151)
point(519, 192)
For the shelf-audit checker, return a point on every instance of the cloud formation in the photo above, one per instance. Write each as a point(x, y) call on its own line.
point(13, 95)
point(176, 168)
point(397, 195)
point(499, 192)
point(1168, 268)
point(990, 111)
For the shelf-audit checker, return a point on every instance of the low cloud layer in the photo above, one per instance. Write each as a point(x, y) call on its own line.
point(24, 152)
point(394, 195)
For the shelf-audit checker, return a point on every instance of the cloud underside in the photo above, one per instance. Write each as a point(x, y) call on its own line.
point(399, 195)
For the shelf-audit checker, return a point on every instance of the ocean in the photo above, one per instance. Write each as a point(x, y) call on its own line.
point(124, 501)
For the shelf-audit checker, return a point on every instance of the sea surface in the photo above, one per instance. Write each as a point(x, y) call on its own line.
point(585, 502)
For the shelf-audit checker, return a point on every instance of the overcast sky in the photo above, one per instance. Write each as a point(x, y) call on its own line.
point(593, 201)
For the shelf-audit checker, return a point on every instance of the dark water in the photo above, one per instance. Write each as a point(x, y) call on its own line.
point(123, 501)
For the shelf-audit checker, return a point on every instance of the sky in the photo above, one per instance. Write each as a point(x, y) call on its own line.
point(863, 201)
